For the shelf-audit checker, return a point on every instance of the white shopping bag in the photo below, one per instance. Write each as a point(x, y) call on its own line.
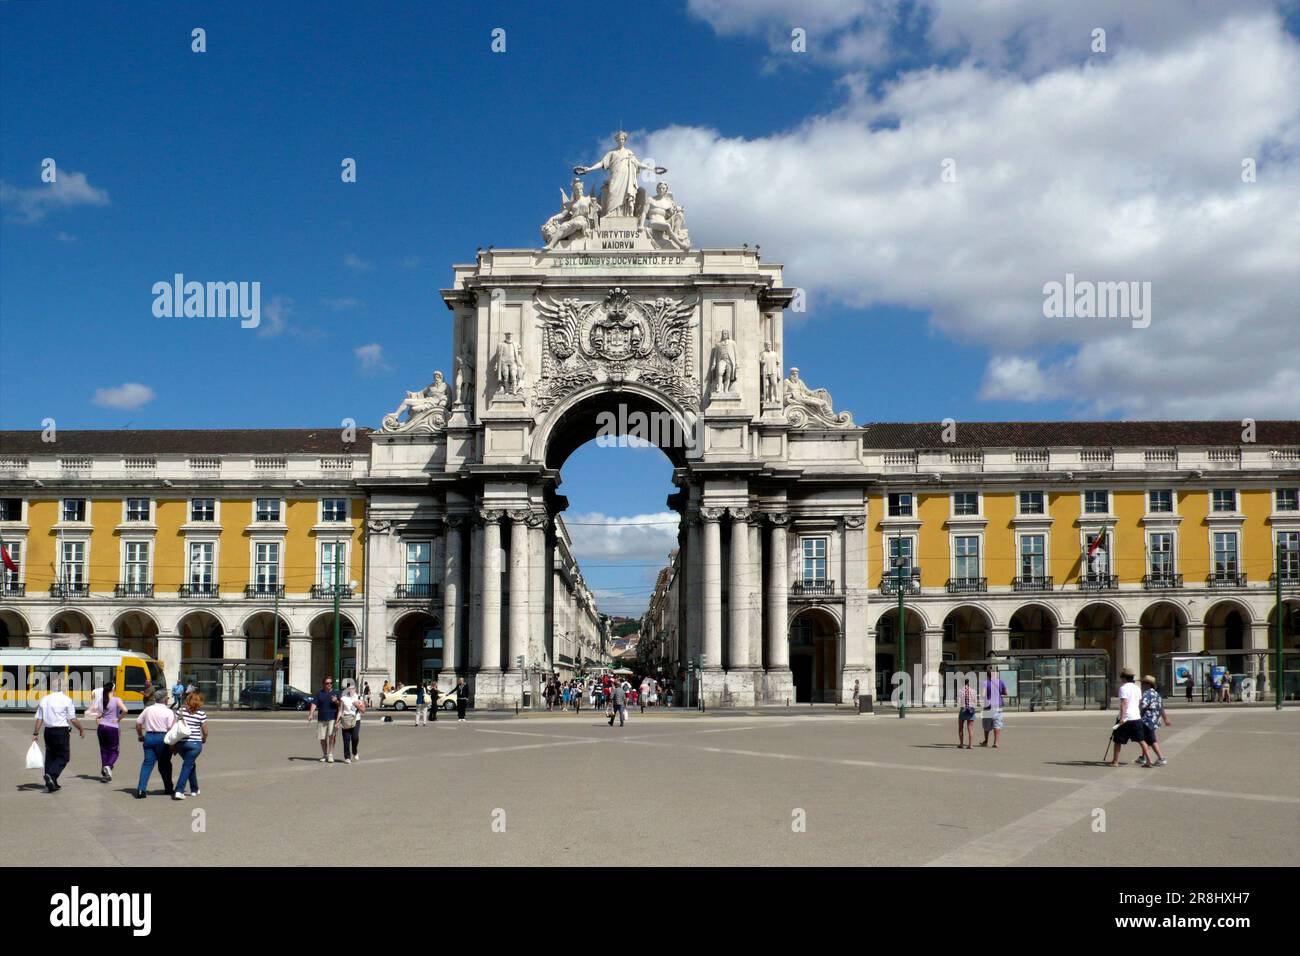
point(35, 759)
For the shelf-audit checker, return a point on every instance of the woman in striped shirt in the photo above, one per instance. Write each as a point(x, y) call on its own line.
point(190, 748)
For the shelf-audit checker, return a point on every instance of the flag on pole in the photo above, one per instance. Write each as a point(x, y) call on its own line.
point(1097, 541)
point(8, 561)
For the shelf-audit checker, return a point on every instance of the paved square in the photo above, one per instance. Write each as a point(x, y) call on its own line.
point(683, 789)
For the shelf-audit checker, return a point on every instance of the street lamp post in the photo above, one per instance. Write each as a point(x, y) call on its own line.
point(899, 564)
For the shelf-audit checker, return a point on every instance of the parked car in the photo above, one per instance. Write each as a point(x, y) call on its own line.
point(404, 697)
point(258, 694)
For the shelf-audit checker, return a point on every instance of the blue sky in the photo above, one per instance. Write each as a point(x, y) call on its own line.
point(225, 165)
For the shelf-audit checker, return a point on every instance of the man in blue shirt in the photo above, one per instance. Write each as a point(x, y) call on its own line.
point(995, 692)
point(420, 713)
point(325, 709)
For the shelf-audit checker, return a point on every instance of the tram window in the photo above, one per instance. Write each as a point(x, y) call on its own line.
point(156, 674)
point(101, 675)
point(80, 682)
point(42, 678)
point(135, 678)
point(9, 678)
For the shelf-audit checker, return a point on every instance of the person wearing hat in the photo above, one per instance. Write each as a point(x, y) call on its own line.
point(1129, 729)
point(1153, 710)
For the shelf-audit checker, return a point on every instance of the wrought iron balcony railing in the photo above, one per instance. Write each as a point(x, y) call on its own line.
point(967, 585)
point(1226, 579)
point(1290, 579)
point(13, 589)
point(815, 586)
point(415, 592)
point(1032, 582)
point(69, 590)
point(1099, 582)
point(319, 591)
point(253, 591)
point(197, 590)
point(1162, 580)
point(133, 589)
point(911, 582)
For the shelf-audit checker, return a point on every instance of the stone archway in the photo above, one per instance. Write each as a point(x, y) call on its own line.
point(70, 623)
point(1290, 681)
point(815, 655)
point(887, 652)
point(967, 633)
point(14, 629)
point(1162, 630)
point(137, 630)
point(1227, 632)
point(1100, 626)
point(419, 647)
point(202, 636)
point(321, 632)
point(260, 634)
point(1032, 627)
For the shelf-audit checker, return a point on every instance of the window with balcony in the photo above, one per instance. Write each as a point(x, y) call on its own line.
point(1224, 499)
point(202, 571)
point(966, 557)
point(1225, 557)
point(74, 509)
point(1160, 555)
point(203, 509)
point(1033, 558)
point(266, 566)
point(1288, 554)
point(965, 503)
point(136, 568)
point(137, 509)
point(72, 566)
point(900, 504)
point(1285, 499)
point(900, 547)
point(419, 569)
point(1160, 502)
point(1096, 502)
point(814, 561)
point(11, 509)
point(268, 509)
point(333, 565)
point(9, 578)
point(1031, 503)
point(334, 509)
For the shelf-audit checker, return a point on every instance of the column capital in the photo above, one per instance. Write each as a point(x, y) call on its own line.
point(778, 519)
point(854, 522)
point(518, 515)
point(379, 525)
point(455, 521)
point(538, 518)
point(712, 515)
point(741, 514)
point(488, 516)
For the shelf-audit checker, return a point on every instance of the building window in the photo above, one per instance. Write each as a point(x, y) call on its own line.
point(10, 578)
point(1097, 559)
point(266, 565)
point(965, 503)
point(268, 509)
point(1161, 553)
point(1033, 557)
point(900, 547)
point(1287, 499)
point(1225, 554)
point(11, 509)
point(966, 552)
point(1031, 503)
point(137, 565)
point(814, 560)
point(334, 509)
point(419, 565)
point(1224, 499)
point(1096, 502)
point(202, 567)
point(1160, 502)
point(137, 509)
point(333, 563)
point(72, 566)
point(900, 504)
point(74, 509)
point(203, 509)
point(1288, 549)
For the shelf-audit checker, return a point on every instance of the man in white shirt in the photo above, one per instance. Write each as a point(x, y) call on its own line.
point(1129, 728)
point(56, 713)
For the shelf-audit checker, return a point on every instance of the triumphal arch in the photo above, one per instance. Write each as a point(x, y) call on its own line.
point(619, 318)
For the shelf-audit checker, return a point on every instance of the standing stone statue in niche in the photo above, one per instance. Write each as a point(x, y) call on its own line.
point(618, 197)
point(426, 409)
point(464, 382)
point(769, 366)
point(723, 364)
point(510, 366)
point(661, 216)
point(578, 217)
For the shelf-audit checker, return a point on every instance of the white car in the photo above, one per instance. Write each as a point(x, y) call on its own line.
point(403, 698)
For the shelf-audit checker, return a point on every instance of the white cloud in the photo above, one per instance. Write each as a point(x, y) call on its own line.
point(128, 396)
point(634, 539)
point(371, 358)
point(356, 263)
point(275, 316)
point(1124, 170)
point(68, 190)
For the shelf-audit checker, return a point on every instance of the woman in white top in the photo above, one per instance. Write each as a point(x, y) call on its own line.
point(351, 707)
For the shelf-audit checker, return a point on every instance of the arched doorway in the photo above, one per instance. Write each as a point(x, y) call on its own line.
point(1032, 628)
point(202, 637)
point(1162, 630)
point(14, 631)
point(259, 631)
point(1100, 626)
point(137, 631)
point(1227, 632)
point(321, 632)
point(1290, 682)
point(815, 655)
point(887, 657)
point(71, 623)
point(967, 634)
point(419, 647)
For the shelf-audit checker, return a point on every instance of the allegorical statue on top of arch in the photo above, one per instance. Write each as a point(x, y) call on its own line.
point(619, 195)
point(426, 410)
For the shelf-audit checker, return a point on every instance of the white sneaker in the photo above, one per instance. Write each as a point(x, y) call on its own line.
point(331, 759)
point(108, 772)
point(347, 759)
point(178, 795)
point(103, 773)
point(194, 793)
point(356, 760)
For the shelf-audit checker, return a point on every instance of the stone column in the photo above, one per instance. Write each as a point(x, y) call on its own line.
point(1195, 638)
point(692, 617)
point(490, 558)
point(711, 599)
point(300, 662)
point(857, 667)
point(1064, 637)
point(778, 587)
point(538, 585)
point(1130, 649)
point(738, 590)
point(475, 602)
point(1258, 662)
point(169, 656)
point(452, 577)
point(519, 597)
point(999, 639)
point(755, 590)
point(930, 692)
point(376, 661)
